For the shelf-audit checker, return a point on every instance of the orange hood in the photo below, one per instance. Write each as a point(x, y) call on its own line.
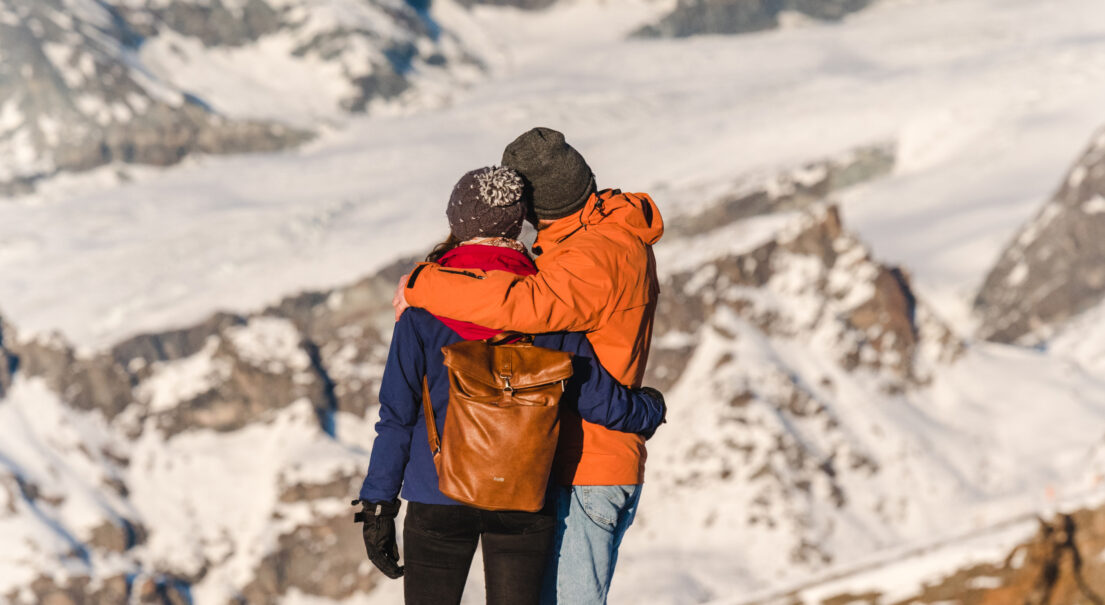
point(635, 213)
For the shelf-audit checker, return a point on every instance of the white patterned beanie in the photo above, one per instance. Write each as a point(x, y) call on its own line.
point(487, 202)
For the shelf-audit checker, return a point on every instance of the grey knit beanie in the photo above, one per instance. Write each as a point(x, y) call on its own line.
point(559, 178)
point(486, 202)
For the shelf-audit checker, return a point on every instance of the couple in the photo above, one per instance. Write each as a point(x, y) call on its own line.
point(592, 292)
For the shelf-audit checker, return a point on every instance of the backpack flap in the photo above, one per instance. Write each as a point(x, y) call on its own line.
point(512, 374)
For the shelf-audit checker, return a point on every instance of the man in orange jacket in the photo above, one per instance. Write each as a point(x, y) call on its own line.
point(597, 274)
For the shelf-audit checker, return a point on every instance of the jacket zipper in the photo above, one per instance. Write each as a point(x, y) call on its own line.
point(467, 273)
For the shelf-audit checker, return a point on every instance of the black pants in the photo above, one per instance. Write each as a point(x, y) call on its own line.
point(439, 542)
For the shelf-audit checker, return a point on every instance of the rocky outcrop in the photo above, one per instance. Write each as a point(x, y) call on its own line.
point(695, 17)
point(522, 4)
point(325, 559)
point(1054, 269)
point(230, 370)
point(778, 328)
point(9, 363)
point(1061, 565)
point(790, 190)
point(377, 46)
point(870, 308)
point(84, 83)
point(74, 98)
point(779, 342)
point(77, 591)
point(213, 22)
point(87, 382)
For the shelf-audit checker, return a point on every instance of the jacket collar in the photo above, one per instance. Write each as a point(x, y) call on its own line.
point(634, 213)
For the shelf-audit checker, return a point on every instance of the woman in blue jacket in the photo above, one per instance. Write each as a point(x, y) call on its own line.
point(440, 535)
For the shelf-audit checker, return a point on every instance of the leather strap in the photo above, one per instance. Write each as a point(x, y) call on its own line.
point(431, 422)
point(503, 338)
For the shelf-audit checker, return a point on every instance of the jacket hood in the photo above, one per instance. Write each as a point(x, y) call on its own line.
point(633, 212)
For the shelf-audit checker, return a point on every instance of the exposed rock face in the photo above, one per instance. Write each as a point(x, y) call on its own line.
point(295, 369)
point(522, 4)
point(376, 45)
point(878, 328)
point(792, 190)
point(9, 363)
point(1060, 565)
point(221, 445)
point(323, 559)
point(694, 17)
point(214, 22)
point(229, 371)
point(78, 591)
point(771, 439)
point(73, 98)
point(84, 83)
point(88, 383)
point(1055, 267)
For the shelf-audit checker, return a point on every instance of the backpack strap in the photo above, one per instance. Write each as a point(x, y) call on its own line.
point(431, 422)
point(508, 337)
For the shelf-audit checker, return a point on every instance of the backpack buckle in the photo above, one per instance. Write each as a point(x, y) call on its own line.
point(508, 388)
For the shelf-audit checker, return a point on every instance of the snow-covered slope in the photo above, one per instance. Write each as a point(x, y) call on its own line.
point(826, 416)
point(820, 414)
point(205, 465)
point(301, 61)
point(85, 83)
point(829, 407)
point(73, 96)
point(982, 128)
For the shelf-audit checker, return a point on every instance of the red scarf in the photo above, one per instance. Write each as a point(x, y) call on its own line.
point(487, 258)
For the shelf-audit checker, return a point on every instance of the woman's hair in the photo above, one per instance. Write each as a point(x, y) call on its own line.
point(439, 250)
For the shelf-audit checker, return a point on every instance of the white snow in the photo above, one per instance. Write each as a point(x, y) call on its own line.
point(1096, 205)
point(270, 343)
point(1017, 275)
point(988, 101)
point(61, 454)
point(183, 380)
point(198, 526)
point(259, 81)
point(1083, 340)
point(659, 116)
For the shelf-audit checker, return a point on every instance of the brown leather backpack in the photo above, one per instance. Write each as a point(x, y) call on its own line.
point(502, 423)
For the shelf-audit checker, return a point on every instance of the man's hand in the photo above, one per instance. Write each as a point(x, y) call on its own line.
point(657, 398)
point(399, 301)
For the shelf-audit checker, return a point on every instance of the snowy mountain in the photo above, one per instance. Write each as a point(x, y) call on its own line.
point(1054, 269)
point(827, 413)
point(822, 412)
point(835, 435)
point(202, 465)
point(86, 83)
point(699, 17)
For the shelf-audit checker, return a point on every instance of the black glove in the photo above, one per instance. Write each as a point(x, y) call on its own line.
point(379, 535)
point(658, 397)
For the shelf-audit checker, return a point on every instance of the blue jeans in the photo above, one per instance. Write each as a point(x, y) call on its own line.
point(591, 521)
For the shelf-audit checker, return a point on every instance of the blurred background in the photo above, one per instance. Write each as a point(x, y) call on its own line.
point(881, 332)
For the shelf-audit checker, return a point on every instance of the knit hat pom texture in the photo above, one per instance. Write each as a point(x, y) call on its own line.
point(499, 186)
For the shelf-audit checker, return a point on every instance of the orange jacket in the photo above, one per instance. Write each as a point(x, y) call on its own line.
point(596, 274)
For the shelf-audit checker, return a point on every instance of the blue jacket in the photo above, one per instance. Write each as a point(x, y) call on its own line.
point(401, 454)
